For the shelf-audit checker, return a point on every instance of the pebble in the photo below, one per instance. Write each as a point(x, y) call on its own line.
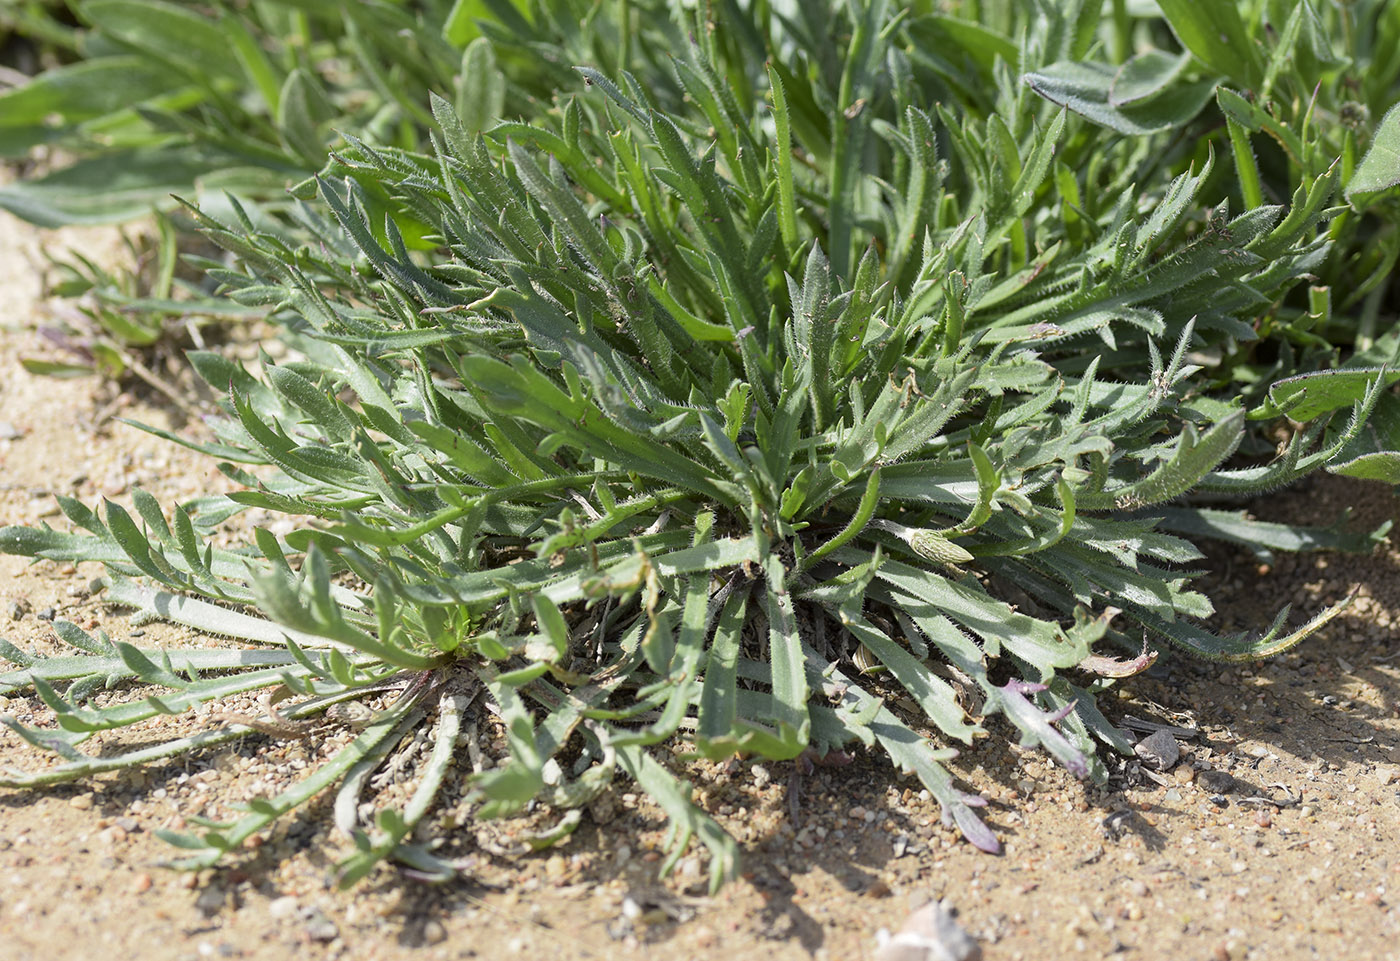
point(1387, 776)
point(603, 808)
point(1216, 782)
point(47, 614)
point(211, 900)
point(1159, 751)
point(141, 883)
point(283, 907)
point(82, 802)
point(434, 932)
point(1185, 774)
point(317, 926)
point(9, 431)
point(16, 610)
point(931, 933)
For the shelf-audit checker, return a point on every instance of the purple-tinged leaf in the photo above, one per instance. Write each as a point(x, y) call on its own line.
point(975, 830)
point(1037, 727)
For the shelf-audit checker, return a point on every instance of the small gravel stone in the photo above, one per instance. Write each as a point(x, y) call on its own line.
point(9, 431)
point(317, 926)
point(434, 932)
point(283, 907)
point(1159, 751)
point(603, 808)
point(141, 883)
point(211, 900)
point(82, 802)
point(1216, 782)
point(47, 614)
point(16, 609)
point(931, 933)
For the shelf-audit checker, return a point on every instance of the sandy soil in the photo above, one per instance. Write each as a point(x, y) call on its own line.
point(1274, 837)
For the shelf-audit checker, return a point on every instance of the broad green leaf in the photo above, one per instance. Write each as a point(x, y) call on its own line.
point(934, 696)
point(481, 88)
point(1374, 454)
point(1264, 536)
point(1308, 396)
point(1216, 34)
point(302, 107)
point(167, 32)
point(789, 677)
point(1380, 168)
point(108, 189)
point(1145, 76)
point(1086, 88)
point(74, 93)
point(985, 45)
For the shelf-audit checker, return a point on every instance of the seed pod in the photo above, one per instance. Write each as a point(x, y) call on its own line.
point(933, 545)
point(936, 547)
